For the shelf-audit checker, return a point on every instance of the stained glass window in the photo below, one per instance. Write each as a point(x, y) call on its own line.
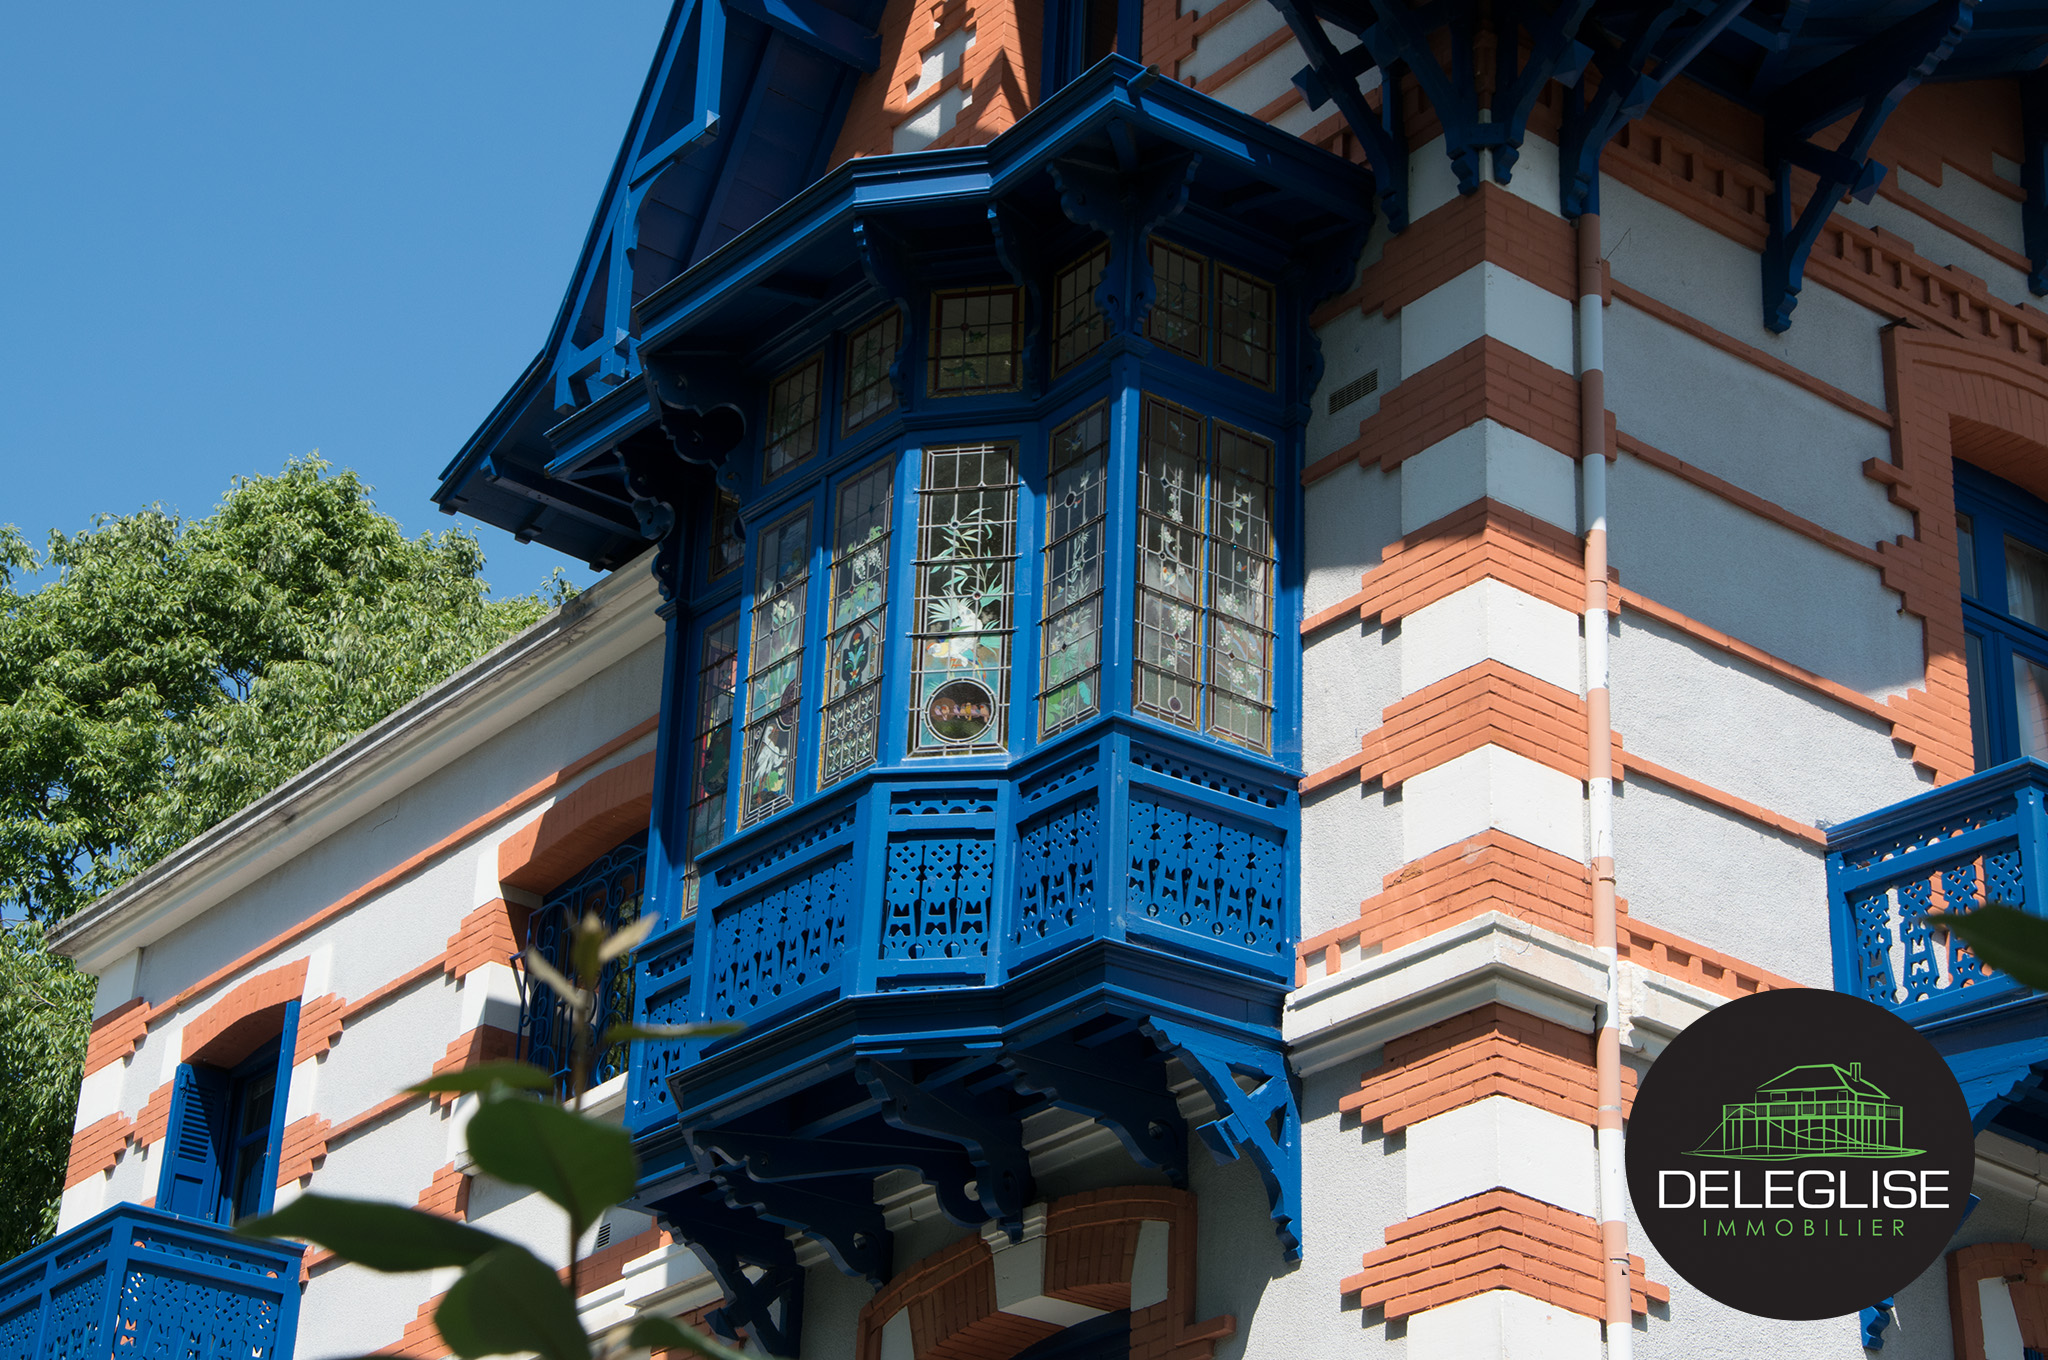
point(966, 563)
point(977, 341)
point(1180, 283)
point(782, 572)
point(1072, 629)
point(728, 544)
point(1079, 326)
point(1205, 576)
point(793, 402)
point(857, 624)
point(1244, 327)
point(711, 745)
point(869, 352)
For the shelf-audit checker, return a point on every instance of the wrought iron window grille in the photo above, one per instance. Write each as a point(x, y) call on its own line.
point(612, 887)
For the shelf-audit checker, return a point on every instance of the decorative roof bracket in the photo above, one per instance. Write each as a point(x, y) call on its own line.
point(1125, 203)
point(767, 1305)
point(992, 1137)
point(1133, 1102)
point(1634, 69)
point(1869, 79)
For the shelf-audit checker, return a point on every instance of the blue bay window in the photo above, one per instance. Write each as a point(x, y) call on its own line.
point(975, 482)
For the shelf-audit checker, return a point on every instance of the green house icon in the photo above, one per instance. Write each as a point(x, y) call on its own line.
point(1816, 1110)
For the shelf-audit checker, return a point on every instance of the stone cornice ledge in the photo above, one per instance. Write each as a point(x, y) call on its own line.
point(1493, 957)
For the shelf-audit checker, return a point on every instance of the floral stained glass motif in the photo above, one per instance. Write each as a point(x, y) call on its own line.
point(977, 341)
point(1244, 326)
point(793, 403)
point(711, 742)
point(966, 564)
point(1072, 631)
point(869, 353)
point(1079, 326)
point(782, 574)
point(1179, 310)
point(856, 625)
point(1205, 576)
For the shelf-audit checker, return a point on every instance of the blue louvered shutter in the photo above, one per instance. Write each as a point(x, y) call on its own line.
point(190, 1181)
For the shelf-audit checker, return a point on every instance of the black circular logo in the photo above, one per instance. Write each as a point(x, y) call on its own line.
point(1800, 1154)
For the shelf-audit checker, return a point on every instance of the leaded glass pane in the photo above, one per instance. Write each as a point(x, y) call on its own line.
point(869, 352)
point(1179, 309)
point(1079, 326)
point(2026, 583)
point(857, 620)
point(977, 341)
point(966, 560)
point(1072, 631)
point(728, 544)
point(1244, 327)
point(1170, 523)
point(775, 667)
point(793, 404)
point(711, 746)
point(1241, 588)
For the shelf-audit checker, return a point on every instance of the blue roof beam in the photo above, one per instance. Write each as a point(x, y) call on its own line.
point(815, 26)
point(1869, 80)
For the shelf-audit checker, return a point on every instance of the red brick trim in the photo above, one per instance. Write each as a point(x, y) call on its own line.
point(447, 1194)
point(1891, 192)
point(1493, 1050)
point(1492, 226)
point(96, 1147)
point(155, 1120)
point(117, 1034)
point(582, 825)
point(253, 1011)
point(1091, 1246)
point(2025, 1269)
point(1675, 956)
point(1485, 539)
point(1487, 704)
point(1487, 379)
point(493, 933)
point(1497, 1239)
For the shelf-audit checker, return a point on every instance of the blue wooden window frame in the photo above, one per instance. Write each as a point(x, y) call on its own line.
point(218, 1166)
point(1998, 641)
point(614, 885)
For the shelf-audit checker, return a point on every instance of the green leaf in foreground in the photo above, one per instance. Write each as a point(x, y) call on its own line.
point(486, 1076)
point(386, 1237)
point(510, 1301)
point(667, 1333)
point(2013, 942)
point(581, 1164)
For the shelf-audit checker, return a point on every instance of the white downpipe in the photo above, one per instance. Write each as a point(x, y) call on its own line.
point(1620, 1318)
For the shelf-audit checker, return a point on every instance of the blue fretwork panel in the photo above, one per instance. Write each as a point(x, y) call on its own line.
point(1979, 841)
point(938, 897)
point(1206, 875)
point(664, 968)
point(776, 948)
point(150, 1285)
point(1057, 855)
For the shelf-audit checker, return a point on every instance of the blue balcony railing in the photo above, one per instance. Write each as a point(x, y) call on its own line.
point(1979, 840)
point(139, 1283)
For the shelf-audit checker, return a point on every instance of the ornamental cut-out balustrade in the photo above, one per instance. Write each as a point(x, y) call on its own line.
point(1978, 841)
point(153, 1286)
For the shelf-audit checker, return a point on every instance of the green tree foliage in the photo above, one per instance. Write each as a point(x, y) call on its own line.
point(44, 1005)
point(169, 673)
point(174, 671)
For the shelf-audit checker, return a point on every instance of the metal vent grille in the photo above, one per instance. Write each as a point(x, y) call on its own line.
point(604, 1237)
point(1353, 390)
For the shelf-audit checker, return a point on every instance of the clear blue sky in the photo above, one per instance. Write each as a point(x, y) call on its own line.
point(232, 233)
